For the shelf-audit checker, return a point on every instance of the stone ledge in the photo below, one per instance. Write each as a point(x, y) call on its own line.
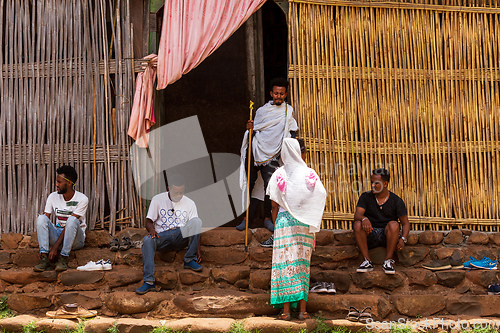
point(229, 236)
point(228, 268)
point(255, 324)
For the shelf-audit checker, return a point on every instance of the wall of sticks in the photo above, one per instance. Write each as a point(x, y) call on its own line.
point(412, 86)
point(66, 87)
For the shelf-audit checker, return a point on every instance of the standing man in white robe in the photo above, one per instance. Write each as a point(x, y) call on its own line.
point(273, 122)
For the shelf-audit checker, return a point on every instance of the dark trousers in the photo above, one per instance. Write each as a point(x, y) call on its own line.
point(266, 171)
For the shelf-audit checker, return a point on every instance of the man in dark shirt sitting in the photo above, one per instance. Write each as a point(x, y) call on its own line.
point(376, 222)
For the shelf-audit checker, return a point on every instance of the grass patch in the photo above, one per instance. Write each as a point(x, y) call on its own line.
point(401, 329)
point(30, 328)
point(238, 327)
point(164, 329)
point(321, 327)
point(5, 311)
point(113, 329)
point(79, 329)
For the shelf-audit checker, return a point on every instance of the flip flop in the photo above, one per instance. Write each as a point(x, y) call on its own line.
point(71, 311)
point(353, 314)
point(366, 315)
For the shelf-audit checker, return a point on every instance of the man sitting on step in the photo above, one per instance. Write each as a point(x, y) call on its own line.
point(69, 207)
point(376, 222)
point(172, 223)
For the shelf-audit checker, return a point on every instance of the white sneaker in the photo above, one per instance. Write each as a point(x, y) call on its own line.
point(90, 266)
point(100, 265)
point(106, 265)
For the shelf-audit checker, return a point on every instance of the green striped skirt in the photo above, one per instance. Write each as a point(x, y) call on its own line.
point(293, 244)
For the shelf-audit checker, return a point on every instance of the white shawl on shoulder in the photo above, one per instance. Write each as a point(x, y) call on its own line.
point(297, 188)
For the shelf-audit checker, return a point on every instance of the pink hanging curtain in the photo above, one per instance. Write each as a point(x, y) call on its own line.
point(193, 29)
point(143, 116)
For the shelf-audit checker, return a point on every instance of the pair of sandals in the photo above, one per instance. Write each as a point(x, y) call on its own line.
point(287, 316)
point(364, 317)
point(120, 244)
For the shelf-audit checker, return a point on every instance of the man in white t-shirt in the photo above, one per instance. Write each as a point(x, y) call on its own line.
point(69, 207)
point(172, 224)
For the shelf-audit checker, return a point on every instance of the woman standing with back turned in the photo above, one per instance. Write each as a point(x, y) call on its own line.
point(298, 200)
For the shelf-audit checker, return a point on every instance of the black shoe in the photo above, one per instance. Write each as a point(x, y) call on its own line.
point(494, 289)
point(319, 287)
point(331, 288)
point(388, 266)
point(268, 243)
point(453, 262)
point(366, 266)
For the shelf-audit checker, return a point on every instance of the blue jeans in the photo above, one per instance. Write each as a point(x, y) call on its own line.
point(48, 233)
point(170, 240)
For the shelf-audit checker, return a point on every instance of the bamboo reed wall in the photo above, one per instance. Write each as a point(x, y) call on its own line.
point(66, 87)
point(409, 85)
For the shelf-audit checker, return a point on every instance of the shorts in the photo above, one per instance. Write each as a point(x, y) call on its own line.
point(376, 238)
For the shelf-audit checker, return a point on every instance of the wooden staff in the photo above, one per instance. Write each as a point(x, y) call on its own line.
point(248, 176)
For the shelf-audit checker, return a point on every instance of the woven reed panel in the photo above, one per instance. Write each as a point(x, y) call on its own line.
point(412, 86)
point(66, 89)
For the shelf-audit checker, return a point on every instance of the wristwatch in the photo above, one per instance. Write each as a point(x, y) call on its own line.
point(404, 239)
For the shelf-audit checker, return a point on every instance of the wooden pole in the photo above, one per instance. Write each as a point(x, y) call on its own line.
point(250, 131)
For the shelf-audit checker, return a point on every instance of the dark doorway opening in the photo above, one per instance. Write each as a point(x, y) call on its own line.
point(217, 91)
point(275, 40)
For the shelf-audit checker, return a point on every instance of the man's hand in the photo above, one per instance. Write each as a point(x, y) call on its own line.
point(150, 227)
point(401, 245)
point(198, 253)
point(367, 226)
point(53, 253)
point(250, 125)
point(153, 234)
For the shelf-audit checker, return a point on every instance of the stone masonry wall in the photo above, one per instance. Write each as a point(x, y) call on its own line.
point(235, 283)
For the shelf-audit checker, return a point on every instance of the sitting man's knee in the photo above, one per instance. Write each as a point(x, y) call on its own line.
point(195, 222)
point(392, 226)
point(72, 222)
point(42, 220)
point(192, 228)
point(147, 240)
point(357, 226)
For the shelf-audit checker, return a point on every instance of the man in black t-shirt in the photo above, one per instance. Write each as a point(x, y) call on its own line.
point(376, 222)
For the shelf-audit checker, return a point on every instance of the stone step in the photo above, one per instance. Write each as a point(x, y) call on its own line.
point(205, 325)
point(228, 268)
point(261, 324)
point(237, 304)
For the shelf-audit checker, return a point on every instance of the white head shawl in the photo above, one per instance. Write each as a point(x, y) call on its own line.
point(297, 188)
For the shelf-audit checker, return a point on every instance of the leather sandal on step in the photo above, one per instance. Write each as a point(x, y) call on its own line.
point(284, 316)
point(114, 245)
point(304, 315)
